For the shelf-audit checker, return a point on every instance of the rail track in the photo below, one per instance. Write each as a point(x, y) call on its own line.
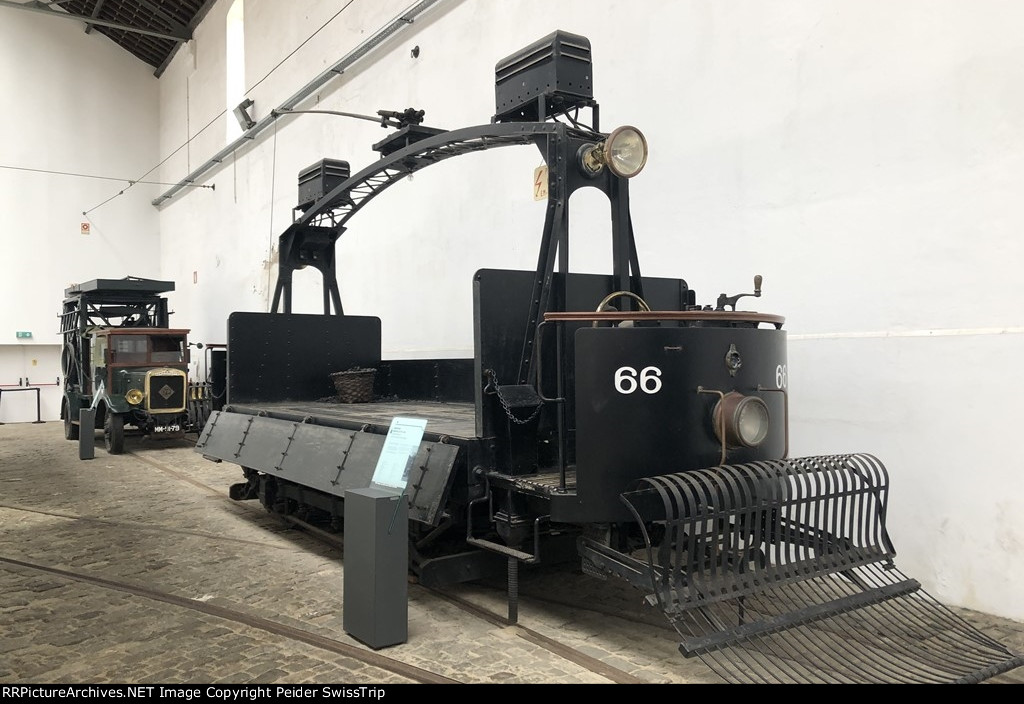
point(414, 674)
point(336, 542)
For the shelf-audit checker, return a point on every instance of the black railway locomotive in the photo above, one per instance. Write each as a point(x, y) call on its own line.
point(610, 419)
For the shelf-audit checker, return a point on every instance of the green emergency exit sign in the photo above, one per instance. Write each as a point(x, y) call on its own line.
point(23, 334)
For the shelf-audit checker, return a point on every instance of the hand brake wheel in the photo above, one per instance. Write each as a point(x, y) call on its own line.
point(603, 305)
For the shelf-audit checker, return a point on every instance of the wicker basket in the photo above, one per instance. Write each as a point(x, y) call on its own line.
point(354, 385)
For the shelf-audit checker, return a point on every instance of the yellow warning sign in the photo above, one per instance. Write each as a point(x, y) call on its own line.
point(540, 183)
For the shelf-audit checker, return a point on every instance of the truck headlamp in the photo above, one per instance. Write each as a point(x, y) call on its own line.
point(743, 419)
point(134, 397)
point(624, 152)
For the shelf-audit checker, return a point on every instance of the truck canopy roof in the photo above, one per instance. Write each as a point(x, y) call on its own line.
point(163, 332)
point(129, 284)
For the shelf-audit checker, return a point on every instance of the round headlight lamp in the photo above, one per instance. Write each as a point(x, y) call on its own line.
point(744, 420)
point(134, 397)
point(624, 152)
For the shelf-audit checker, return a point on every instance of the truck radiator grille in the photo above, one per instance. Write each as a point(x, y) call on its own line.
point(165, 391)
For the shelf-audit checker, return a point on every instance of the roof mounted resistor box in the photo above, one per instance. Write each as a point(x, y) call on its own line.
point(555, 72)
point(318, 180)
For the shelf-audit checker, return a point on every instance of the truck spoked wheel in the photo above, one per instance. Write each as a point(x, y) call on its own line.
point(70, 429)
point(113, 433)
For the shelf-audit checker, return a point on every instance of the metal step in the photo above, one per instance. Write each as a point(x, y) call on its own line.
point(540, 484)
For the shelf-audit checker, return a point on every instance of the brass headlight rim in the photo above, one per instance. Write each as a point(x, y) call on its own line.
point(606, 148)
point(593, 158)
point(134, 396)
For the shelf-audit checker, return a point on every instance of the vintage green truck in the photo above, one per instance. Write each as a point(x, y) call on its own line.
point(121, 358)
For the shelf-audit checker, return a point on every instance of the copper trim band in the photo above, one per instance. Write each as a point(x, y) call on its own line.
point(724, 316)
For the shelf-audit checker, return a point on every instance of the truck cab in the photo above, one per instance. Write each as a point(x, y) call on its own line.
point(122, 358)
point(144, 375)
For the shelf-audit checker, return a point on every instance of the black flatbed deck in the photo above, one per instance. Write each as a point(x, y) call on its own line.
point(454, 419)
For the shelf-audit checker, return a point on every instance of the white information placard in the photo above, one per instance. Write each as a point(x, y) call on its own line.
point(400, 448)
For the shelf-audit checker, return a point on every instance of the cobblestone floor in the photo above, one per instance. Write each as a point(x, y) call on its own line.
point(159, 518)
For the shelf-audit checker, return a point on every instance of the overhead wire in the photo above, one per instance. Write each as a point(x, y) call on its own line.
point(129, 181)
point(221, 114)
point(304, 42)
point(165, 160)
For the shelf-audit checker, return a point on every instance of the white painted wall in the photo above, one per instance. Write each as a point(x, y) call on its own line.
point(27, 368)
point(864, 156)
point(75, 103)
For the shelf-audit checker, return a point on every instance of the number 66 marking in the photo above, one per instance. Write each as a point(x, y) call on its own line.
point(781, 374)
point(649, 381)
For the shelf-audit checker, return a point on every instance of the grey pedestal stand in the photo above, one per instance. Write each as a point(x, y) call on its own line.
point(376, 565)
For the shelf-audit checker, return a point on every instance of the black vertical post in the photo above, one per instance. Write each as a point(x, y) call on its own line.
point(553, 240)
point(513, 590)
point(86, 433)
point(634, 261)
point(621, 232)
point(278, 288)
point(39, 414)
point(336, 294)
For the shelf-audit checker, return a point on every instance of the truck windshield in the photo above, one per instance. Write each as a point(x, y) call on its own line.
point(147, 349)
point(167, 349)
point(129, 348)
